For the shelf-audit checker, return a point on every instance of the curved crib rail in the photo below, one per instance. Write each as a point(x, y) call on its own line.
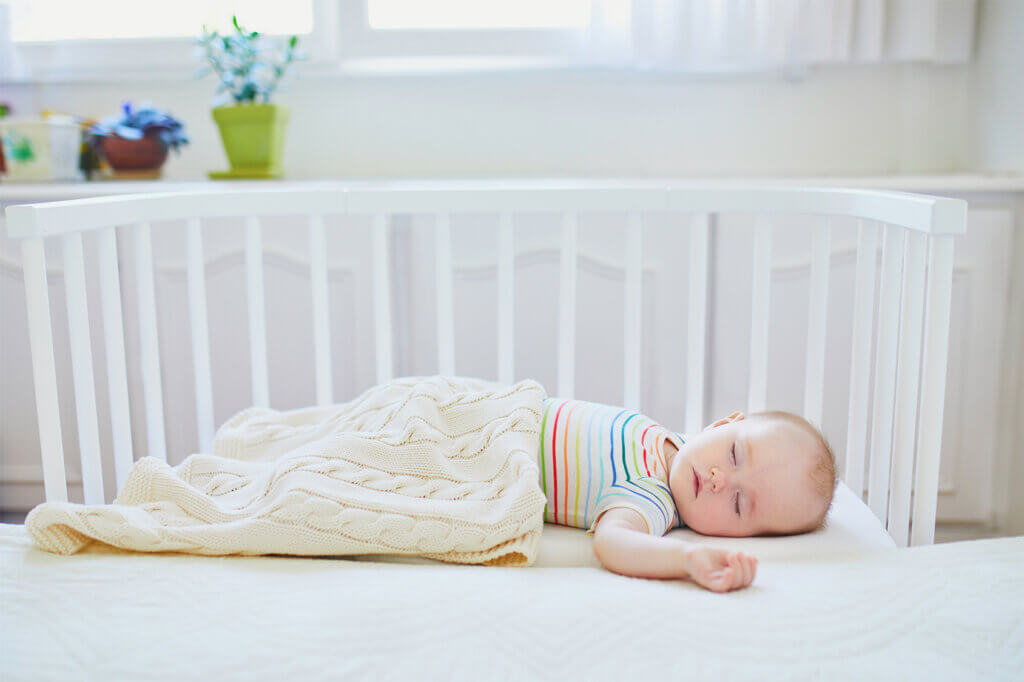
point(914, 304)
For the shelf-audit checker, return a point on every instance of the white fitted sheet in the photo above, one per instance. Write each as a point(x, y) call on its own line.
point(950, 611)
point(851, 527)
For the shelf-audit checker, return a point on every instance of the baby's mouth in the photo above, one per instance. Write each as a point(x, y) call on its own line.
point(696, 483)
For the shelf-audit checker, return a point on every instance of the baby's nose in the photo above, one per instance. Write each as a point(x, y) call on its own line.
point(718, 479)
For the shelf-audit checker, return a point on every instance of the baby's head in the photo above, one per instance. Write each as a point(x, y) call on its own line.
point(774, 467)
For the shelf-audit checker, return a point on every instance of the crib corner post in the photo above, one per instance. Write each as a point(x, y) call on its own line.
point(938, 302)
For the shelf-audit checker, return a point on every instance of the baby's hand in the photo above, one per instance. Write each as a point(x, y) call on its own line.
point(720, 570)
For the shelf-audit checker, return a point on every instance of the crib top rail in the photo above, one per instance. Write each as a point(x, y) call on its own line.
point(924, 213)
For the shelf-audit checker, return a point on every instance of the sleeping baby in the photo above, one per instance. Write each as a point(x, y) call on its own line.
point(628, 481)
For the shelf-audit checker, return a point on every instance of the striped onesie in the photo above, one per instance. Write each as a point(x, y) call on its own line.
point(595, 457)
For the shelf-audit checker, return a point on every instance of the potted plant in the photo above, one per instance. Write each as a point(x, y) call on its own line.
point(249, 70)
point(41, 148)
point(135, 142)
point(5, 109)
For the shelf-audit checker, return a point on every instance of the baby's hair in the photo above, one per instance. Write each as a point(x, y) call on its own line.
point(823, 473)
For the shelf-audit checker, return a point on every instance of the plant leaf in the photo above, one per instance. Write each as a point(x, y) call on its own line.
point(128, 133)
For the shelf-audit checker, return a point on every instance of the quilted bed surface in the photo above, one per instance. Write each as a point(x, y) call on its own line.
point(950, 611)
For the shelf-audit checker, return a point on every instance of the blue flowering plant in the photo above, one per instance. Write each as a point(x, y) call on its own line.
point(247, 65)
point(134, 124)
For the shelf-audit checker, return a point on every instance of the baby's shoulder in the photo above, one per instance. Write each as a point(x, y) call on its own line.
point(625, 517)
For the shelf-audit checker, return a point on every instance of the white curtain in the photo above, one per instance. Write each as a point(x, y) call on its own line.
point(751, 35)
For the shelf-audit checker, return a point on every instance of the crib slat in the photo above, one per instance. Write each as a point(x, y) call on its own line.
point(860, 358)
point(321, 317)
point(381, 297)
point(200, 335)
point(44, 373)
point(633, 312)
point(933, 387)
point(117, 371)
point(759, 314)
point(257, 312)
point(908, 377)
point(817, 323)
point(885, 373)
point(567, 309)
point(152, 385)
point(506, 300)
point(81, 363)
point(445, 312)
point(697, 323)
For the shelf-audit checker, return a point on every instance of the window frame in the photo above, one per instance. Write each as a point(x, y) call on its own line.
point(358, 41)
point(149, 58)
point(341, 43)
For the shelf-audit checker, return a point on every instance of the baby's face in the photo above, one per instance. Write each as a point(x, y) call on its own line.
point(753, 478)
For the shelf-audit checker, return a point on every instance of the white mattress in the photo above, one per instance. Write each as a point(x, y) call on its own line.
point(950, 611)
point(851, 527)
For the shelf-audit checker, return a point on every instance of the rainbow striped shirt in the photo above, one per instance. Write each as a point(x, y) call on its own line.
point(595, 457)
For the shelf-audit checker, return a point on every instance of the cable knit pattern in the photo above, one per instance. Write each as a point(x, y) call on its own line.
point(440, 467)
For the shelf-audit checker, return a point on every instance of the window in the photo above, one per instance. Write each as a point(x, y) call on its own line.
point(48, 40)
point(477, 14)
point(140, 39)
point(403, 34)
point(53, 20)
point(103, 39)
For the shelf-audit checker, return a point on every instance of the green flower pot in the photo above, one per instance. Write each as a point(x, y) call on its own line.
point(253, 136)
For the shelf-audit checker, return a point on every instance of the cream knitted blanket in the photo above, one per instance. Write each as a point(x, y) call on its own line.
point(440, 467)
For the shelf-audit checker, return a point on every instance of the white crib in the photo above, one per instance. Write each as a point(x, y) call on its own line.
point(853, 607)
point(910, 346)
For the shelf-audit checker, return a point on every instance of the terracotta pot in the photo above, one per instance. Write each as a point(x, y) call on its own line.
point(144, 154)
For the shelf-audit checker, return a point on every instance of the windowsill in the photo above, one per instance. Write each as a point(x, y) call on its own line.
point(440, 66)
point(953, 182)
point(424, 66)
point(412, 66)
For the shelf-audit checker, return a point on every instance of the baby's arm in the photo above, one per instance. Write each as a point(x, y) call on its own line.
point(623, 545)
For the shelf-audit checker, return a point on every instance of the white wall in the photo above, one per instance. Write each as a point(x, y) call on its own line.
point(848, 120)
point(997, 128)
point(909, 118)
point(997, 88)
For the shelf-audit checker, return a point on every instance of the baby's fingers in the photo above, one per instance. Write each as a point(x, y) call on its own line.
point(738, 573)
point(739, 570)
point(726, 578)
point(749, 568)
point(744, 569)
point(721, 580)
